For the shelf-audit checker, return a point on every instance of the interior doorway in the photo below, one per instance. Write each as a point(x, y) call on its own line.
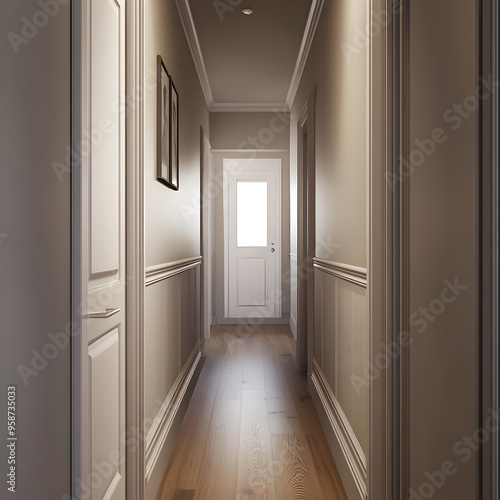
point(305, 235)
point(252, 238)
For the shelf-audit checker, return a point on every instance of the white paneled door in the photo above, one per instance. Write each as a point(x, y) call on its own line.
point(99, 399)
point(252, 208)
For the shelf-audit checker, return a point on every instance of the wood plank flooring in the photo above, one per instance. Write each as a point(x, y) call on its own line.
point(251, 429)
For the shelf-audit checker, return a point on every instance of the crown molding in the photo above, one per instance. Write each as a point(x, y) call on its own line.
point(199, 63)
point(305, 47)
point(194, 45)
point(249, 106)
point(250, 151)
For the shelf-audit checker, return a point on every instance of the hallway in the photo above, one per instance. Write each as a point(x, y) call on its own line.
point(331, 167)
point(251, 429)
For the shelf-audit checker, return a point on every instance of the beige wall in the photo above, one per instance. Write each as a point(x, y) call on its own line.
point(341, 308)
point(170, 233)
point(239, 132)
point(249, 130)
point(172, 305)
point(35, 248)
point(340, 130)
point(443, 233)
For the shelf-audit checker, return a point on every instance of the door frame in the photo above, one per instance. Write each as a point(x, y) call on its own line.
point(134, 244)
point(489, 267)
point(279, 229)
point(135, 249)
point(206, 215)
point(306, 234)
point(388, 265)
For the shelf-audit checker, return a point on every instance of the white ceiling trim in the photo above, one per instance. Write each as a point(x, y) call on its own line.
point(305, 47)
point(194, 45)
point(249, 106)
point(250, 150)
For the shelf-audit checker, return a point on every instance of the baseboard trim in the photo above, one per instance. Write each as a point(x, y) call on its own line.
point(293, 326)
point(346, 450)
point(284, 320)
point(162, 422)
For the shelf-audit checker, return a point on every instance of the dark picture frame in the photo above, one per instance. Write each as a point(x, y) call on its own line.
point(174, 135)
point(163, 126)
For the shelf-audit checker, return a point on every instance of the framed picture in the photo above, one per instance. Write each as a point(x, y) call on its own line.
point(163, 125)
point(174, 135)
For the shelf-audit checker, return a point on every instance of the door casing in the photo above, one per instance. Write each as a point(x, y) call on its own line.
point(489, 144)
point(206, 235)
point(306, 234)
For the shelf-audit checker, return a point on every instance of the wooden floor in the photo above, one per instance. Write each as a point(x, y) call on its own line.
point(251, 430)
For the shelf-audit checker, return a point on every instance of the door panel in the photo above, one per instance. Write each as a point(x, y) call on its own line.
point(105, 135)
point(252, 204)
point(105, 356)
point(101, 406)
point(251, 278)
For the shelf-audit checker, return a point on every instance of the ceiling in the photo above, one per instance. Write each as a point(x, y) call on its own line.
point(249, 62)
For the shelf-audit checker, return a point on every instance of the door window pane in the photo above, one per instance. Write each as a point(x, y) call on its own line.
point(251, 214)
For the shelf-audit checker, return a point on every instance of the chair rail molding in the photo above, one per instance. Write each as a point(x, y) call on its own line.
point(160, 272)
point(353, 274)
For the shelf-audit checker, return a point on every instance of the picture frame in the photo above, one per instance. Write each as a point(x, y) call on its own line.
point(174, 135)
point(163, 126)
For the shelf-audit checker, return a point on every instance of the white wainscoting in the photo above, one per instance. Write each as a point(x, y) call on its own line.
point(162, 422)
point(172, 350)
point(341, 354)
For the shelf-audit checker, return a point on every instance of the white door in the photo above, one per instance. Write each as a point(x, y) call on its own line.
point(252, 199)
point(100, 400)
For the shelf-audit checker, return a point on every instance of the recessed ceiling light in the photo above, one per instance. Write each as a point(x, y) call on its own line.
point(247, 12)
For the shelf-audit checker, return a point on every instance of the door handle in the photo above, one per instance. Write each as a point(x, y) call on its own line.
point(273, 250)
point(105, 314)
